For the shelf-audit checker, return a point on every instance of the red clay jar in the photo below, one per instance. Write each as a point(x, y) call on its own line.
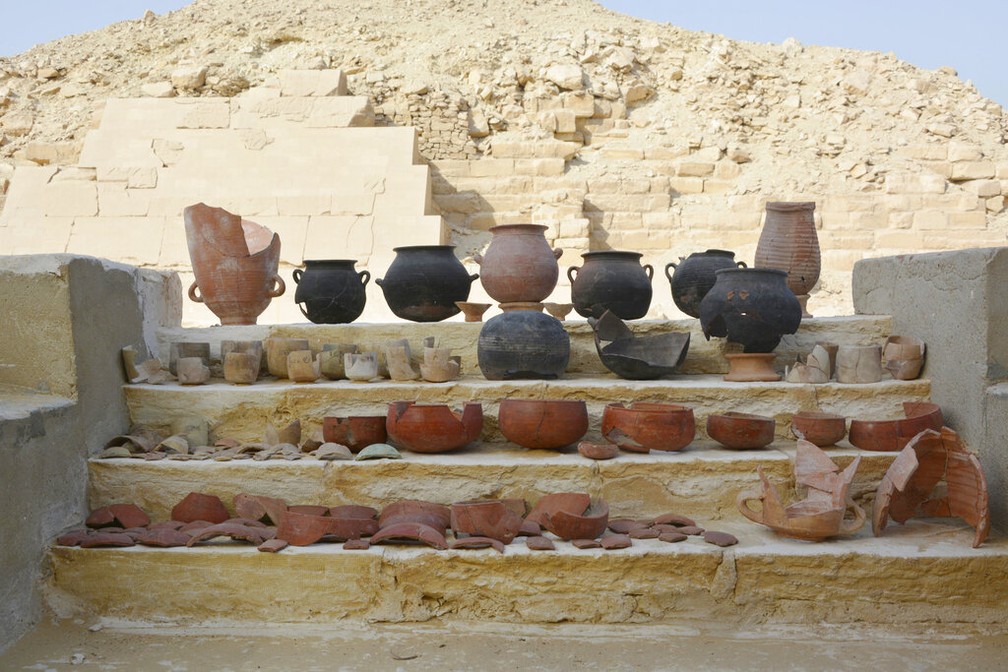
point(433, 428)
point(543, 423)
point(822, 429)
point(356, 432)
point(741, 430)
point(646, 426)
point(519, 264)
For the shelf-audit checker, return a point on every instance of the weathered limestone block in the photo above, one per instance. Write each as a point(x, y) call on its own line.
point(189, 77)
point(295, 83)
point(972, 170)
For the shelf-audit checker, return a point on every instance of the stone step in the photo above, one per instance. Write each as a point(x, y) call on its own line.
point(242, 412)
point(703, 357)
point(923, 572)
point(701, 481)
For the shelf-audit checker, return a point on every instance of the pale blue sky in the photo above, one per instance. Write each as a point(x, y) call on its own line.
point(966, 35)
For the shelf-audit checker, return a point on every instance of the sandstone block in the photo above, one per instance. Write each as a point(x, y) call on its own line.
point(898, 240)
point(715, 186)
point(924, 152)
point(686, 185)
point(36, 235)
point(962, 151)
point(665, 152)
point(983, 188)
point(189, 77)
point(565, 75)
point(967, 220)
point(115, 200)
point(158, 90)
point(207, 115)
point(492, 168)
point(930, 219)
point(995, 205)
point(312, 83)
point(581, 103)
point(695, 169)
point(339, 237)
point(451, 167)
point(71, 199)
point(565, 121)
point(133, 240)
point(539, 167)
point(972, 170)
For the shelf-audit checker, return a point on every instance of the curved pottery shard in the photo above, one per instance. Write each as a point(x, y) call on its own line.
point(634, 357)
point(430, 514)
point(571, 502)
point(235, 262)
point(475, 543)
point(489, 518)
point(908, 487)
point(896, 434)
point(238, 532)
point(589, 525)
point(822, 513)
point(302, 529)
point(410, 532)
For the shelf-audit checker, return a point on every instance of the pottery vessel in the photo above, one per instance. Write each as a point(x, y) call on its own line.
point(277, 349)
point(424, 281)
point(559, 310)
point(330, 291)
point(242, 368)
point(611, 280)
point(360, 367)
point(750, 306)
point(543, 423)
point(889, 435)
point(331, 362)
point(491, 518)
point(822, 429)
point(815, 369)
point(590, 524)
point(859, 364)
point(634, 357)
point(399, 360)
point(302, 366)
point(192, 371)
point(521, 305)
point(789, 242)
point(473, 312)
point(741, 431)
point(518, 265)
point(903, 356)
point(179, 349)
point(748, 367)
point(694, 276)
point(910, 487)
point(433, 428)
point(439, 365)
point(831, 350)
point(356, 432)
point(235, 262)
point(522, 344)
point(645, 426)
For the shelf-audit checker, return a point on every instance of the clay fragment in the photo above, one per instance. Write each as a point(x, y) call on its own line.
point(356, 545)
point(911, 486)
point(645, 533)
point(195, 526)
point(258, 507)
point(572, 502)
point(691, 530)
point(598, 451)
point(163, 537)
point(309, 509)
point(589, 525)
point(134, 532)
point(355, 511)
point(719, 538)
point(410, 532)
point(73, 538)
point(233, 530)
point(166, 524)
point(486, 518)
point(272, 545)
point(624, 525)
point(538, 543)
point(612, 542)
point(585, 544)
point(529, 528)
point(99, 518)
point(302, 529)
point(673, 519)
point(345, 528)
point(437, 516)
point(672, 537)
point(107, 539)
point(474, 543)
point(129, 515)
point(247, 522)
point(200, 506)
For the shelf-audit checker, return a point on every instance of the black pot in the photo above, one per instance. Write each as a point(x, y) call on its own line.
point(694, 277)
point(331, 290)
point(750, 306)
point(424, 281)
point(613, 281)
point(522, 344)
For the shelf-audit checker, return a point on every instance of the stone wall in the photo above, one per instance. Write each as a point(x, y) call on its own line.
point(955, 302)
point(61, 398)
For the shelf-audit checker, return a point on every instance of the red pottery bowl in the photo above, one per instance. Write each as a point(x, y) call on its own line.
point(432, 428)
point(645, 426)
point(741, 430)
point(822, 429)
point(543, 423)
point(355, 432)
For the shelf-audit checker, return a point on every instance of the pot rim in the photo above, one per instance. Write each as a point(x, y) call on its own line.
point(407, 248)
point(714, 251)
point(578, 403)
point(618, 253)
point(329, 261)
point(790, 206)
point(752, 271)
point(521, 227)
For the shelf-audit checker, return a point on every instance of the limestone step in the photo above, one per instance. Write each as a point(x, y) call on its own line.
point(923, 572)
point(703, 357)
point(701, 481)
point(242, 412)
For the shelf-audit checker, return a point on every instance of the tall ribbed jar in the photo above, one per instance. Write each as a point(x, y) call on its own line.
point(789, 243)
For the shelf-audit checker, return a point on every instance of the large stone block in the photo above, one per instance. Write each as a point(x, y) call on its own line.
point(134, 240)
point(312, 83)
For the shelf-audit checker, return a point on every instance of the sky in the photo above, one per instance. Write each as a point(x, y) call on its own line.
point(966, 35)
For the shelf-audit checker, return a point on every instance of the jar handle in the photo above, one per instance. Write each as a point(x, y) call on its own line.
point(746, 510)
point(474, 277)
point(364, 276)
point(557, 253)
point(852, 526)
point(277, 286)
point(297, 273)
point(669, 265)
point(649, 270)
point(572, 272)
point(193, 296)
point(303, 312)
point(741, 264)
